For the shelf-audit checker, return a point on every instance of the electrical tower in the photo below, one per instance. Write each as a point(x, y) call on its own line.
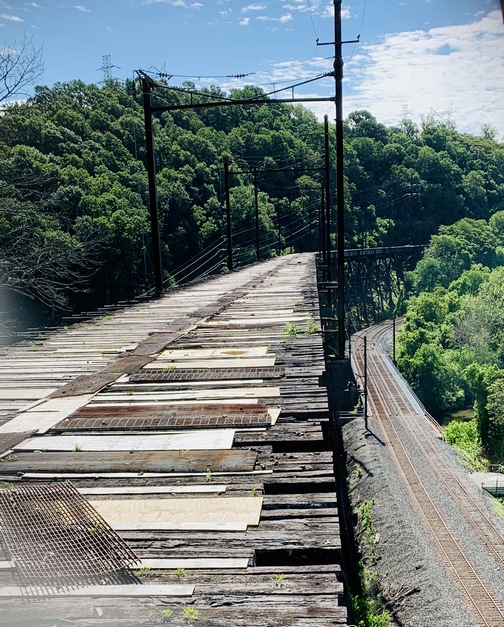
point(107, 66)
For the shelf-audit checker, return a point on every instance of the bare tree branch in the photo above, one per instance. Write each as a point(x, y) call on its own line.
point(20, 66)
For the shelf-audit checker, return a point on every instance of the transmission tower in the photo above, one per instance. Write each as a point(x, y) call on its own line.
point(107, 66)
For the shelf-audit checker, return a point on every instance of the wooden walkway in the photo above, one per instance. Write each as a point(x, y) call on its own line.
point(196, 426)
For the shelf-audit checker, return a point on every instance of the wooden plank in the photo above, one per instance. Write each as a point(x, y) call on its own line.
point(156, 489)
point(135, 461)
point(193, 513)
point(194, 440)
point(196, 563)
point(135, 475)
point(124, 591)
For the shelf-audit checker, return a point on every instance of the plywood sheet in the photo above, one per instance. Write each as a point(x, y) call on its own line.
point(181, 513)
point(255, 321)
point(207, 353)
point(274, 413)
point(25, 393)
point(195, 440)
point(156, 489)
point(188, 394)
point(45, 415)
point(246, 362)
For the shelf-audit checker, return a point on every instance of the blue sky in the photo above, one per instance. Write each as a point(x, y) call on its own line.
point(415, 57)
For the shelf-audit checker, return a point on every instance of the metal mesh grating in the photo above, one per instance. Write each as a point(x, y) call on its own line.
point(205, 374)
point(56, 539)
point(12, 439)
point(183, 417)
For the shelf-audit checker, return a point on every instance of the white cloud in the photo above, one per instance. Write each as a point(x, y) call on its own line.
point(296, 7)
point(245, 21)
point(176, 3)
point(328, 11)
point(10, 18)
point(457, 69)
point(253, 7)
point(283, 19)
point(302, 5)
point(82, 8)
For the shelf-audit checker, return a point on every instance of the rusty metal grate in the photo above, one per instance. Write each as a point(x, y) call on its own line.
point(205, 374)
point(56, 539)
point(183, 417)
point(12, 439)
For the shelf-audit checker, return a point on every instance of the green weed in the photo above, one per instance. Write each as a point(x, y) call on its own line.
point(191, 613)
point(278, 579)
point(291, 329)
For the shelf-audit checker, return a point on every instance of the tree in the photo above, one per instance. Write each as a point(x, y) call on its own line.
point(495, 409)
point(20, 66)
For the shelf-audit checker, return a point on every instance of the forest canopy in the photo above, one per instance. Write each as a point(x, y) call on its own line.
point(451, 344)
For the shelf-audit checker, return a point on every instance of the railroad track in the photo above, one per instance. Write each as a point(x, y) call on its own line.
point(394, 412)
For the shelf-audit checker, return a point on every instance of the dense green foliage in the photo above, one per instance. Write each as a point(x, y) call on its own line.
point(74, 196)
point(451, 345)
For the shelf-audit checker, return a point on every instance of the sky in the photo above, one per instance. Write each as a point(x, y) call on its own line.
point(415, 58)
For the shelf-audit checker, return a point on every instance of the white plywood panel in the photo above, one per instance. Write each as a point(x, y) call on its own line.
point(133, 590)
point(191, 440)
point(206, 353)
point(160, 404)
point(265, 320)
point(274, 413)
point(45, 415)
point(223, 393)
point(181, 526)
point(159, 489)
point(179, 513)
point(25, 394)
point(246, 362)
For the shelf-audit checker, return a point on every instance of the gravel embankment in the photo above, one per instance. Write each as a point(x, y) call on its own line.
point(413, 578)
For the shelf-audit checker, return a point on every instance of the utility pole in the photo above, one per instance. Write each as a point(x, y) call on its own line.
point(151, 173)
point(290, 221)
point(327, 181)
point(338, 79)
point(228, 216)
point(365, 385)
point(322, 225)
point(256, 201)
point(340, 202)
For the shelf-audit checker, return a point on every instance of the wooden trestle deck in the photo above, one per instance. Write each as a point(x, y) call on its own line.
point(197, 427)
